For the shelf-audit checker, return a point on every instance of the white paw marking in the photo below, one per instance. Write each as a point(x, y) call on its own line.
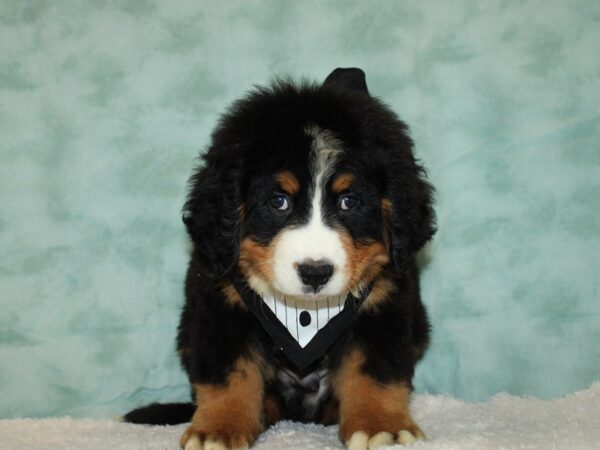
point(358, 441)
point(193, 443)
point(361, 441)
point(214, 445)
point(380, 439)
point(406, 437)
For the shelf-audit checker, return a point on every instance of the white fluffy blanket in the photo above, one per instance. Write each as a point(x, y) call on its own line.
point(503, 422)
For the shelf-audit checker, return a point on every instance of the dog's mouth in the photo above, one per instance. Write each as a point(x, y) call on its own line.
point(318, 299)
point(307, 294)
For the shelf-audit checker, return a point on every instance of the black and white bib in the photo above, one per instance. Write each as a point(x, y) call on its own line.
point(303, 329)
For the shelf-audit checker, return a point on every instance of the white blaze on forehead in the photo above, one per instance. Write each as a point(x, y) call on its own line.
point(324, 152)
point(314, 240)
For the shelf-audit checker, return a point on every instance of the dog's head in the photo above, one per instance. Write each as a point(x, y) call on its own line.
point(309, 190)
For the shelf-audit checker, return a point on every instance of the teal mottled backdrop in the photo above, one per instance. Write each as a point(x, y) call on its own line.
point(105, 105)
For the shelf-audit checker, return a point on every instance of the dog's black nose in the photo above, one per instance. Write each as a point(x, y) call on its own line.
point(315, 273)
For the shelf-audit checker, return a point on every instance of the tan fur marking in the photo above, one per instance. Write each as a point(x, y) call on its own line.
point(386, 205)
point(379, 293)
point(288, 182)
point(365, 261)
point(256, 260)
point(342, 182)
point(231, 413)
point(232, 296)
point(330, 414)
point(272, 410)
point(369, 406)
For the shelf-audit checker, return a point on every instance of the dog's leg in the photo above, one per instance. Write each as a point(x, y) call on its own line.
point(272, 410)
point(372, 414)
point(228, 416)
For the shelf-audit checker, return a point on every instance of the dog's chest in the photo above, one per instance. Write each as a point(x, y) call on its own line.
point(303, 394)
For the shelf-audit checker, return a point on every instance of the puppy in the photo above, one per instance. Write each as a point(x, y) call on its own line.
point(302, 293)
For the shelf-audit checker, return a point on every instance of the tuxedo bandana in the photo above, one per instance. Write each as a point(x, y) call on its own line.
point(302, 318)
point(303, 329)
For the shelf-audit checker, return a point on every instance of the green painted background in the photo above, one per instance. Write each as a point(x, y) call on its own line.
point(105, 105)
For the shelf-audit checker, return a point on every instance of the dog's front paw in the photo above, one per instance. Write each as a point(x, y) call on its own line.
point(219, 425)
point(227, 416)
point(372, 413)
point(199, 438)
point(363, 440)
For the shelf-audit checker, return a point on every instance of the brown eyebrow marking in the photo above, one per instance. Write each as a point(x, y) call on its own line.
point(342, 182)
point(288, 182)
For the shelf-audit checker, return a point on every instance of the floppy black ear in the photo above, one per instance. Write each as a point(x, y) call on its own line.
point(410, 214)
point(212, 215)
point(352, 79)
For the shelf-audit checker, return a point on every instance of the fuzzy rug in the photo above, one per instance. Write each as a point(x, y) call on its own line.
point(503, 422)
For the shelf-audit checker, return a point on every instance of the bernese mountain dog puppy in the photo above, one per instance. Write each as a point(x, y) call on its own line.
point(302, 294)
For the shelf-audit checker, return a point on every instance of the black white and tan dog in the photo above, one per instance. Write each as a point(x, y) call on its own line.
point(302, 294)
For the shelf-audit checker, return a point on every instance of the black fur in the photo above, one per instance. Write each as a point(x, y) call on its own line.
point(264, 133)
point(161, 414)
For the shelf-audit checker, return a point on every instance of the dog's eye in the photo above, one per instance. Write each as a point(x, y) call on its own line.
point(280, 202)
point(347, 202)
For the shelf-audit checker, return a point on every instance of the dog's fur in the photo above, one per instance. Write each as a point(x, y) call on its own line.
point(300, 173)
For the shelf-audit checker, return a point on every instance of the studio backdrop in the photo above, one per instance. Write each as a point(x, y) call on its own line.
point(106, 105)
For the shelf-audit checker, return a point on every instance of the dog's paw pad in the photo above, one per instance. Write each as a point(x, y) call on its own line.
point(210, 444)
point(380, 439)
point(362, 441)
point(214, 445)
point(193, 443)
point(406, 437)
point(358, 441)
point(195, 440)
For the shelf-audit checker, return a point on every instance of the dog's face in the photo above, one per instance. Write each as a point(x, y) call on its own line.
point(312, 221)
point(309, 192)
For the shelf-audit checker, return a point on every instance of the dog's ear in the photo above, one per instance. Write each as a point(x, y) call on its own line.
point(352, 79)
point(212, 215)
point(407, 209)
